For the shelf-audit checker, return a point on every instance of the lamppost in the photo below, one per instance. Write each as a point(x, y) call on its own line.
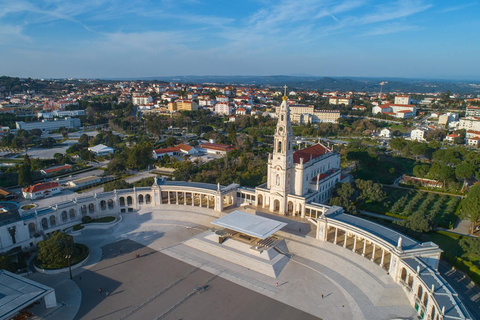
point(68, 256)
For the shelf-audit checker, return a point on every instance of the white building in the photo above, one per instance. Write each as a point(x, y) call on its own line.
point(141, 99)
point(385, 133)
point(223, 108)
point(403, 99)
point(447, 118)
point(41, 190)
point(417, 134)
point(397, 110)
point(46, 125)
point(101, 150)
point(470, 123)
point(60, 114)
point(296, 178)
point(340, 100)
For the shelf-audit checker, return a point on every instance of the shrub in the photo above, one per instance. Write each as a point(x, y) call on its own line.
point(86, 219)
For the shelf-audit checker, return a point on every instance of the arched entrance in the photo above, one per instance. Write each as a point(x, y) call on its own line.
point(276, 205)
point(290, 207)
point(260, 200)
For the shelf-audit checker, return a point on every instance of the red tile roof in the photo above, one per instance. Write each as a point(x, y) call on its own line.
point(309, 153)
point(217, 146)
point(167, 150)
point(40, 187)
point(185, 147)
point(59, 168)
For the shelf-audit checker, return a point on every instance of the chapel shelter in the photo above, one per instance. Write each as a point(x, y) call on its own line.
point(248, 228)
point(18, 293)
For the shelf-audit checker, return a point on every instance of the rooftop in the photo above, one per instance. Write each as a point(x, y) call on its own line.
point(17, 292)
point(309, 153)
point(255, 226)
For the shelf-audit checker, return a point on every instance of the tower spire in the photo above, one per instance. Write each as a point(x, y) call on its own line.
point(285, 97)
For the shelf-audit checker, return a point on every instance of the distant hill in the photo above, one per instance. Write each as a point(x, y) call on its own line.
point(337, 83)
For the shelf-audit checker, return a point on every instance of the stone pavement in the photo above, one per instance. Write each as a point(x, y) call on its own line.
point(352, 286)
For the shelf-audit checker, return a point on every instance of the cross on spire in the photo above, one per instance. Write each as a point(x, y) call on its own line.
point(285, 90)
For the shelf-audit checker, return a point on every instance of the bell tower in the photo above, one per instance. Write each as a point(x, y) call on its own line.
point(280, 170)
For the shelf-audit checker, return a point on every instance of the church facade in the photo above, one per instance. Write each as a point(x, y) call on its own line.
point(295, 178)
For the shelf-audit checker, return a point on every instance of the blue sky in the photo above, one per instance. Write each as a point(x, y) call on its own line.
point(116, 38)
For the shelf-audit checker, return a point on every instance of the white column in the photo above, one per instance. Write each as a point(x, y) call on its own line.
point(383, 257)
point(364, 247)
point(345, 240)
point(168, 192)
point(354, 242)
point(373, 252)
point(335, 240)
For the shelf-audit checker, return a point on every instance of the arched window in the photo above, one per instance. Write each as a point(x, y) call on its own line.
point(72, 214)
point(148, 199)
point(140, 199)
point(44, 224)
point(64, 216)
point(278, 180)
point(122, 201)
point(425, 298)
point(110, 204)
point(53, 221)
point(91, 208)
point(129, 200)
point(404, 274)
point(103, 205)
point(279, 148)
point(419, 292)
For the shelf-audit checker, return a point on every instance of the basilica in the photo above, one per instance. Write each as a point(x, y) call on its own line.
point(297, 177)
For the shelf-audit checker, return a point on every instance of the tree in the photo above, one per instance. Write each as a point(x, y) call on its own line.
point(471, 246)
point(370, 191)
point(170, 141)
point(83, 140)
point(421, 222)
point(25, 173)
point(464, 170)
point(421, 170)
point(51, 251)
point(470, 206)
point(343, 194)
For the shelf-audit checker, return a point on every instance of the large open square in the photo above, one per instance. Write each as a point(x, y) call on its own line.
point(161, 287)
point(161, 282)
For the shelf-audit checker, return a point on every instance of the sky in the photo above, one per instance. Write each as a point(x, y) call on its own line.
point(143, 38)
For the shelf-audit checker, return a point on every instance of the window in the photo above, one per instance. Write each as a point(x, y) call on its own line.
point(279, 148)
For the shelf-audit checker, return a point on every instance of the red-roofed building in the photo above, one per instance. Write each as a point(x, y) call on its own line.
point(451, 137)
point(52, 170)
point(159, 153)
point(216, 148)
point(310, 153)
point(41, 190)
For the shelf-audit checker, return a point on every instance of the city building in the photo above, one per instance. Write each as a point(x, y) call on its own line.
point(141, 99)
point(46, 126)
point(417, 135)
point(470, 123)
point(41, 190)
point(159, 153)
point(182, 105)
point(223, 108)
point(385, 133)
point(403, 99)
point(215, 148)
point(472, 111)
point(447, 118)
point(84, 182)
point(451, 137)
point(340, 100)
point(56, 169)
point(101, 150)
point(397, 110)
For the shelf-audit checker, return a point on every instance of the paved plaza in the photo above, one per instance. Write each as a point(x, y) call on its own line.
point(160, 283)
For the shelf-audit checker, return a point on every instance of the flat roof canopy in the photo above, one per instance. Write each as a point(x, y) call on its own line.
point(17, 292)
point(255, 226)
